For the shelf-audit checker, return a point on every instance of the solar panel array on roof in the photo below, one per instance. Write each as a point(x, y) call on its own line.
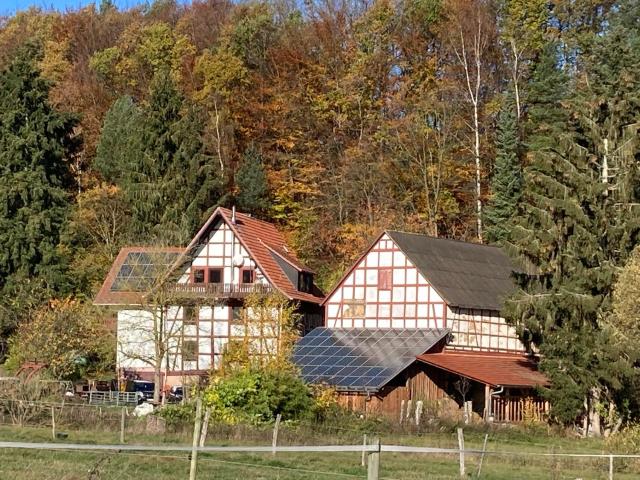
point(140, 269)
point(359, 358)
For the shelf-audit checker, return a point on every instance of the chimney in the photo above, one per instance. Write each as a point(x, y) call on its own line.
point(233, 215)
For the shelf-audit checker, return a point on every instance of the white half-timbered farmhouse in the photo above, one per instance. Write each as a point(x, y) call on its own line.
point(200, 308)
point(407, 280)
point(417, 319)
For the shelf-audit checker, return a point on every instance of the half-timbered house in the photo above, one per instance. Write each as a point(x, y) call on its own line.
point(417, 318)
point(194, 296)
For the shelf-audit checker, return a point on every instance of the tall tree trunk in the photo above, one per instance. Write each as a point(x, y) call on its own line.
point(595, 429)
point(476, 152)
point(159, 354)
point(471, 63)
point(585, 418)
point(157, 380)
point(515, 74)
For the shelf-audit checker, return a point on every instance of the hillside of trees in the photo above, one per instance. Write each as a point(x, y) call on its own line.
point(500, 121)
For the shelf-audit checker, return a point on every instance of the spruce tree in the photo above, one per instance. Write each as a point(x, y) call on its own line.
point(251, 181)
point(36, 145)
point(569, 240)
point(155, 154)
point(506, 184)
point(119, 144)
point(548, 90)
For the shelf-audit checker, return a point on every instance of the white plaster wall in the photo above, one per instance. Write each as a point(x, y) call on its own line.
point(482, 330)
point(218, 252)
point(410, 303)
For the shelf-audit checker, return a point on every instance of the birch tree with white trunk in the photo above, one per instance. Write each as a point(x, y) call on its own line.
point(471, 38)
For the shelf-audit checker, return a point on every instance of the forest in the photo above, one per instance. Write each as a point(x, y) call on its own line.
point(512, 122)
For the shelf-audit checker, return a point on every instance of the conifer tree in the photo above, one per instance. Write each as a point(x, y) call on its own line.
point(506, 184)
point(119, 145)
point(548, 89)
point(251, 181)
point(569, 242)
point(36, 145)
point(155, 154)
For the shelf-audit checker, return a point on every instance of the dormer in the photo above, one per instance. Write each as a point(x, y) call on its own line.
point(299, 275)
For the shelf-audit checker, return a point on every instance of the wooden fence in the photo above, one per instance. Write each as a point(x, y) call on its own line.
point(371, 450)
point(509, 409)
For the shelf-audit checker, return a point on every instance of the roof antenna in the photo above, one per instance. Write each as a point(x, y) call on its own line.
point(233, 215)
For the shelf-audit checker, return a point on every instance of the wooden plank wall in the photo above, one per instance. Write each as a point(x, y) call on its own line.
point(436, 389)
point(414, 384)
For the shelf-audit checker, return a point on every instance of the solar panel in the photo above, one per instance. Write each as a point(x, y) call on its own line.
point(361, 359)
point(141, 269)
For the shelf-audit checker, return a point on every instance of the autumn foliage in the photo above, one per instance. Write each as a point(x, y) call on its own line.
point(334, 119)
point(359, 116)
point(69, 337)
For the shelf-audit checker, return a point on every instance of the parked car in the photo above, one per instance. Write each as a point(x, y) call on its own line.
point(176, 394)
point(142, 387)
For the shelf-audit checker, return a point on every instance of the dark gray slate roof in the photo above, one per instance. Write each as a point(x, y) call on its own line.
point(466, 275)
point(361, 359)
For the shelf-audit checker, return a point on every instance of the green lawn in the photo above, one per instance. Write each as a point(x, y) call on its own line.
point(71, 465)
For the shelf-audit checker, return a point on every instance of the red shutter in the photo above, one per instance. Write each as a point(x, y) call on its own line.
point(384, 279)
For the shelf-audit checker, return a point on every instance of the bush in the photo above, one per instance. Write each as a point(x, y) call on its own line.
point(258, 397)
point(625, 441)
point(325, 403)
point(68, 336)
point(178, 415)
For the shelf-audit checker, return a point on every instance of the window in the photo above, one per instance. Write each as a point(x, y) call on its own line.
point(189, 350)
point(248, 275)
point(384, 279)
point(215, 275)
point(353, 309)
point(305, 282)
point(237, 315)
point(198, 275)
point(189, 315)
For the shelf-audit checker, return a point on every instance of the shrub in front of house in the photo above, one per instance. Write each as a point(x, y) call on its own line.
point(258, 396)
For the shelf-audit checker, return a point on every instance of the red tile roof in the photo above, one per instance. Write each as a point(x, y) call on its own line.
point(258, 237)
point(106, 296)
point(489, 368)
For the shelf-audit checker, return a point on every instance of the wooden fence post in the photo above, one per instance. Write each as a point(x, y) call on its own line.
point(373, 462)
point(484, 449)
point(205, 427)
point(196, 440)
point(401, 411)
point(122, 420)
point(419, 405)
point(53, 423)
point(363, 462)
point(461, 449)
point(274, 440)
point(610, 467)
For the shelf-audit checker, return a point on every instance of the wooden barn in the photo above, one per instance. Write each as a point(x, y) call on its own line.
point(417, 319)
